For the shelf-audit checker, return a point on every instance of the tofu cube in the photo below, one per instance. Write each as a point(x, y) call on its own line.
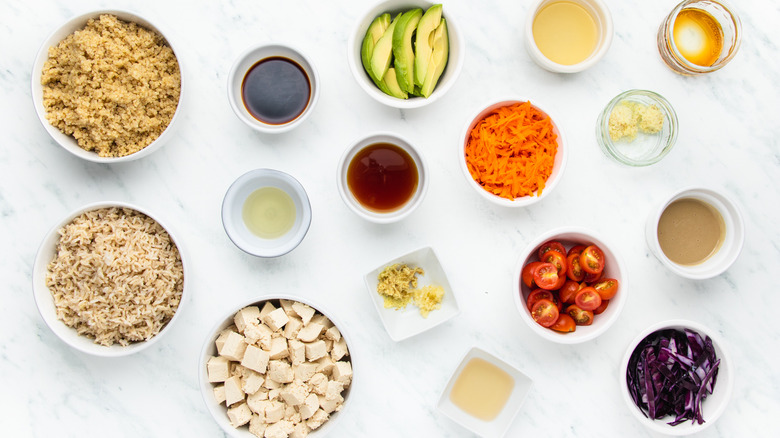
point(311, 332)
point(246, 316)
point(325, 365)
point(267, 308)
point(274, 394)
point(252, 382)
point(333, 334)
point(317, 419)
point(287, 306)
point(304, 371)
point(278, 348)
point(219, 393)
point(309, 406)
point(330, 405)
point(339, 350)
point(305, 312)
point(280, 371)
point(301, 430)
point(239, 415)
point(342, 373)
point(297, 351)
point(233, 391)
point(322, 319)
point(255, 359)
point(280, 429)
point(257, 425)
point(218, 368)
point(220, 341)
point(276, 319)
point(316, 350)
point(258, 402)
point(293, 327)
point(295, 393)
point(274, 412)
point(259, 334)
point(271, 384)
point(318, 383)
point(333, 390)
point(234, 347)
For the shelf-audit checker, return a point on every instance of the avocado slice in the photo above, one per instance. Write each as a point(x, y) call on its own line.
point(375, 31)
point(402, 48)
point(391, 83)
point(438, 60)
point(383, 51)
point(423, 41)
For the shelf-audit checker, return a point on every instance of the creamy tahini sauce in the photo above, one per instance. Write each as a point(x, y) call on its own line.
point(690, 231)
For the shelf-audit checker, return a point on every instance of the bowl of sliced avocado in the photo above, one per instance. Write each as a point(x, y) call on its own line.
point(406, 53)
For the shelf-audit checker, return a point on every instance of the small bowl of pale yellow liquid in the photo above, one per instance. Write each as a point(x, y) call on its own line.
point(697, 233)
point(266, 213)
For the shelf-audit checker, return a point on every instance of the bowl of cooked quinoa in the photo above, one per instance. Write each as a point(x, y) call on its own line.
point(107, 86)
point(109, 279)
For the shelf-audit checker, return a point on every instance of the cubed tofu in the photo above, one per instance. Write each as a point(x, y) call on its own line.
point(271, 384)
point(234, 347)
point(280, 429)
point(297, 351)
point(245, 316)
point(295, 393)
point(301, 430)
point(330, 405)
point(233, 391)
point(287, 305)
point(276, 319)
point(280, 371)
point(278, 348)
point(305, 312)
point(317, 419)
point(274, 394)
point(325, 365)
point(304, 371)
point(318, 383)
point(333, 390)
point(339, 350)
point(220, 341)
point(342, 373)
point(219, 393)
point(333, 334)
point(295, 418)
point(322, 319)
point(315, 350)
point(255, 359)
point(267, 308)
point(259, 334)
point(309, 406)
point(257, 402)
point(311, 332)
point(328, 345)
point(218, 368)
point(252, 382)
point(293, 327)
point(274, 412)
point(257, 425)
point(239, 415)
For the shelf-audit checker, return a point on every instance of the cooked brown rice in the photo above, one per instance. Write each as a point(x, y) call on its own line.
point(117, 276)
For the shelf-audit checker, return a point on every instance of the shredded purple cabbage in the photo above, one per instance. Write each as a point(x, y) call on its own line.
point(669, 374)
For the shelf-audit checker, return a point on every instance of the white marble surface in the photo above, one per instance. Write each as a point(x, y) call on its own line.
point(728, 138)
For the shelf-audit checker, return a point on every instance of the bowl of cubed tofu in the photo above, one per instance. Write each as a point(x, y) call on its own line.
point(277, 367)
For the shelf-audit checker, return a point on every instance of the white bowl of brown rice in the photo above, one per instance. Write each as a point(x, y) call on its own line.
point(107, 86)
point(109, 279)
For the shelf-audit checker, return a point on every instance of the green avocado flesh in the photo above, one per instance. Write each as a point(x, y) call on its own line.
point(402, 48)
point(439, 54)
point(382, 55)
point(423, 42)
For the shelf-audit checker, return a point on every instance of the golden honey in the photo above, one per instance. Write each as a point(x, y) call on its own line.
point(698, 36)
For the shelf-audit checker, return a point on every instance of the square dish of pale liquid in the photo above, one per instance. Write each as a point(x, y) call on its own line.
point(484, 393)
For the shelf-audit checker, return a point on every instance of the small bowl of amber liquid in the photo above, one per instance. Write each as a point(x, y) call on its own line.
point(382, 178)
point(273, 88)
point(699, 36)
point(696, 233)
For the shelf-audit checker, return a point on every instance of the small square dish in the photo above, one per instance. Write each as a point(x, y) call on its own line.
point(407, 322)
point(490, 388)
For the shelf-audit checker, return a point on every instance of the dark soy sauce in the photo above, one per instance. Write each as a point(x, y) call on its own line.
point(276, 90)
point(383, 177)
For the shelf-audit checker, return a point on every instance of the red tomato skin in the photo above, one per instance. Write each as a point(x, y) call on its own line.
point(557, 259)
point(587, 299)
point(581, 317)
point(600, 309)
point(606, 287)
point(592, 278)
point(553, 245)
point(564, 324)
point(527, 276)
point(576, 249)
point(573, 269)
point(592, 259)
point(568, 291)
point(545, 312)
point(546, 276)
point(536, 295)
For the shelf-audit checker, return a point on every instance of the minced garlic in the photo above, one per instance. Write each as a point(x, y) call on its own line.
point(398, 286)
point(428, 298)
point(629, 118)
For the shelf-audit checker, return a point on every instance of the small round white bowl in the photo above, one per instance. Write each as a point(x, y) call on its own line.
point(355, 205)
point(45, 303)
point(732, 242)
point(614, 267)
point(251, 57)
point(559, 164)
point(68, 142)
point(600, 13)
point(218, 410)
point(715, 403)
point(455, 58)
point(233, 222)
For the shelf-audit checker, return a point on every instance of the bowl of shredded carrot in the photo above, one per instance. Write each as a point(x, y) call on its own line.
point(513, 153)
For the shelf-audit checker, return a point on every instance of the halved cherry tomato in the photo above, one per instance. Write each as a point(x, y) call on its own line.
point(528, 273)
point(580, 317)
point(569, 291)
point(539, 294)
point(564, 324)
point(546, 276)
point(573, 269)
point(592, 278)
point(545, 312)
point(553, 245)
point(592, 260)
point(587, 299)
point(606, 287)
point(556, 258)
point(576, 249)
point(600, 309)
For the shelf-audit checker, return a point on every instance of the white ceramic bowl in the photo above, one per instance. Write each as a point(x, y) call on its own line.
point(233, 203)
point(251, 57)
point(715, 403)
point(218, 410)
point(448, 77)
point(600, 13)
point(45, 303)
point(405, 323)
point(559, 164)
point(68, 142)
point(732, 242)
point(614, 267)
point(351, 200)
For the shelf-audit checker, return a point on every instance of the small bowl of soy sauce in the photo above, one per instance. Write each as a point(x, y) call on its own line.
point(273, 88)
point(382, 178)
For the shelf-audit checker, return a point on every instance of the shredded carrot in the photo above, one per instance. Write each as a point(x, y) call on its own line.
point(511, 152)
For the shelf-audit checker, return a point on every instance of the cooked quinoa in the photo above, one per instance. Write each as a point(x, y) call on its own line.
point(114, 86)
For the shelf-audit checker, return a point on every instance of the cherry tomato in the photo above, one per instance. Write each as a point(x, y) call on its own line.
point(607, 288)
point(546, 276)
point(564, 324)
point(587, 299)
point(557, 259)
point(592, 260)
point(580, 317)
point(539, 294)
point(576, 249)
point(569, 291)
point(573, 269)
point(600, 309)
point(551, 245)
point(528, 273)
point(545, 312)
point(592, 278)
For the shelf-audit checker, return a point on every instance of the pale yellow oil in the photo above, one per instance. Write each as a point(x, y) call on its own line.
point(698, 36)
point(565, 32)
point(269, 212)
point(482, 389)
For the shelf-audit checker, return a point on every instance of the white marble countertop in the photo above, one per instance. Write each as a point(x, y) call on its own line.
point(728, 139)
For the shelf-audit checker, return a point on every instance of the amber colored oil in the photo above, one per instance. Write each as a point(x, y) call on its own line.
point(565, 32)
point(382, 177)
point(698, 36)
point(482, 389)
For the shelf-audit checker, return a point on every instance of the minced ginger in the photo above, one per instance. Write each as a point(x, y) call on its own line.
point(398, 286)
point(629, 118)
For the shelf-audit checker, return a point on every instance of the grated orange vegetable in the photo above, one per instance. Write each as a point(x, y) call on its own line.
point(511, 151)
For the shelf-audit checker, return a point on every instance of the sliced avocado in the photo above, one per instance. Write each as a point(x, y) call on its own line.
point(423, 41)
point(383, 51)
point(391, 83)
point(438, 60)
point(375, 31)
point(402, 48)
